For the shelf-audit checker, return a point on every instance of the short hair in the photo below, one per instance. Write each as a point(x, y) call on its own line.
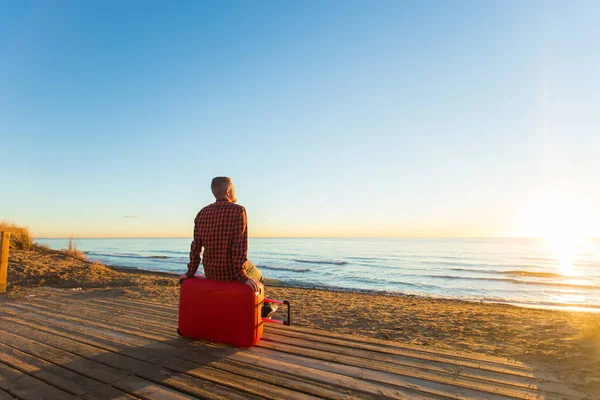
point(219, 185)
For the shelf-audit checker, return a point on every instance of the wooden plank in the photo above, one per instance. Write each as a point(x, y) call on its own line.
point(4, 245)
point(5, 396)
point(133, 311)
point(101, 296)
point(52, 374)
point(57, 356)
point(169, 313)
point(159, 307)
point(193, 386)
point(107, 392)
point(147, 390)
point(10, 230)
point(23, 386)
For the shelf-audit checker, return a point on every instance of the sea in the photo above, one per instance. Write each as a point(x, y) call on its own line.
point(526, 272)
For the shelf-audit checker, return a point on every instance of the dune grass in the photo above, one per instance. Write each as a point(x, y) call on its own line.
point(72, 251)
point(20, 240)
point(23, 240)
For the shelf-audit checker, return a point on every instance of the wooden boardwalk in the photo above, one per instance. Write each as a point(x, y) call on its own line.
point(62, 344)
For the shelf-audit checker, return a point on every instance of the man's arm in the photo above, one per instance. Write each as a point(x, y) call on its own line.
point(239, 246)
point(195, 250)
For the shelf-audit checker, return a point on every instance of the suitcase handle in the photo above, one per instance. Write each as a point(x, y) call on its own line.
point(276, 321)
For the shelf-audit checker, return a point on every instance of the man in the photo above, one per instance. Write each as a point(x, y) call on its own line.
point(222, 229)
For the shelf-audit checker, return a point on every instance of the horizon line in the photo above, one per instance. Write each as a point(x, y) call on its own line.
point(324, 237)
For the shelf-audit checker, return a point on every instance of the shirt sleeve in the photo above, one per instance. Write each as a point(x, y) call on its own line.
point(239, 248)
point(195, 250)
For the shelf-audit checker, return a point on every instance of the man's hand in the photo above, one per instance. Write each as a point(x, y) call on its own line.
point(256, 286)
point(182, 277)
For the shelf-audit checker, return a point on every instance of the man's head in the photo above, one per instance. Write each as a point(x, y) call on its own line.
point(222, 188)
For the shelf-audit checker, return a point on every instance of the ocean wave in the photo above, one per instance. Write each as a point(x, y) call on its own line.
point(283, 268)
point(119, 255)
point(330, 262)
point(542, 259)
point(485, 265)
point(586, 264)
point(378, 282)
point(315, 285)
point(169, 252)
point(533, 273)
point(139, 257)
point(493, 268)
point(517, 281)
point(515, 272)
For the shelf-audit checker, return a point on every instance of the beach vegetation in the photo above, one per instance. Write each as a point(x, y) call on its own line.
point(20, 240)
point(72, 250)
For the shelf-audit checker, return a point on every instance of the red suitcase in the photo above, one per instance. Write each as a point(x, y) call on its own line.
point(223, 312)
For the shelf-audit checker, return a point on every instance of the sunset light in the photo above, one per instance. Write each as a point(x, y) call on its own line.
point(566, 251)
point(388, 174)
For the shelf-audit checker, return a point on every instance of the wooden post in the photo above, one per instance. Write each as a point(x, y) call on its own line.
point(4, 245)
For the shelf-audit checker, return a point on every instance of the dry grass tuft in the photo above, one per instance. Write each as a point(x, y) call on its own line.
point(73, 252)
point(21, 240)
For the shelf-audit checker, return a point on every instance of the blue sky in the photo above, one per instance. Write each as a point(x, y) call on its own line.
point(333, 118)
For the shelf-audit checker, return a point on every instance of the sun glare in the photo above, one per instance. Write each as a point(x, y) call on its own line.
point(565, 250)
point(564, 224)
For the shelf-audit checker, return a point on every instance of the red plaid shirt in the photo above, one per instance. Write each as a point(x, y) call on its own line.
point(222, 229)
